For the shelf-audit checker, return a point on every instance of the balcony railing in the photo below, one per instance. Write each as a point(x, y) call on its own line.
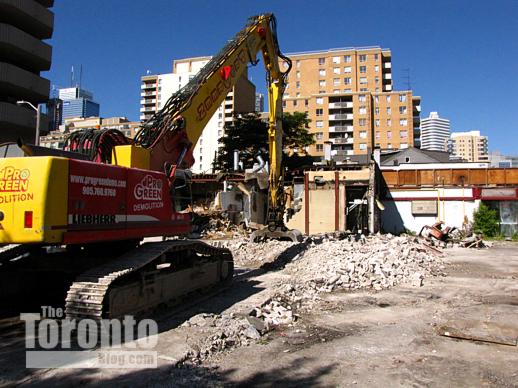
point(341, 117)
point(340, 105)
point(148, 86)
point(341, 128)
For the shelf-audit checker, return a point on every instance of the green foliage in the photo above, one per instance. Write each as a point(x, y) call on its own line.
point(515, 237)
point(249, 135)
point(486, 221)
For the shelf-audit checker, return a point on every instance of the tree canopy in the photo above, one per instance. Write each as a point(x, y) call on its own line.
point(249, 134)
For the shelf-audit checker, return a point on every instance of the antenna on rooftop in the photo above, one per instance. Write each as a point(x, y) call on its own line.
point(72, 77)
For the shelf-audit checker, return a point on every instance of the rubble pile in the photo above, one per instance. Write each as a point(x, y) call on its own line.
point(215, 225)
point(375, 262)
point(223, 332)
point(246, 253)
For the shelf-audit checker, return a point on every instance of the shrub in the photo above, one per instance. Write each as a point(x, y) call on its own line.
point(486, 221)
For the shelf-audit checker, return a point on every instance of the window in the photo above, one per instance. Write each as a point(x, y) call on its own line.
point(376, 68)
point(389, 123)
point(297, 95)
point(320, 147)
point(378, 134)
point(347, 58)
point(284, 103)
point(376, 80)
point(297, 84)
point(363, 58)
point(377, 110)
point(321, 61)
point(322, 83)
point(363, 69)
point(362, 110)
point(388, 98)
point(322, 72)
point(362, 122)
point(306, 102)
point(319, 100)
point(298, 63)
point(389, 111)
point(336, 70)
point(375, 57)
point(319, 112)
point(403, 134)
point(347, 90)
point(319, 124)
point(389, 134)
point(403, 145)
point(403, 122)
point(377, 122)
point(336, 81)
point(220, 132)
point(377, 99)
point(402, 110)
point(363, 80)
point(363, 134)
point(347, 81)
point(363, 146)
point(336, 91)
point(389, 146)
point(336, 59)
point(402, 97)
point(294, 102)
point(362, 98)
point(319, 135)
point(298, 74)
point(321, 92)
point(347, 69)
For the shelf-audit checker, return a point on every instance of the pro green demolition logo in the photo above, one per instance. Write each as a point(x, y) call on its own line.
point(16, 182)
point(52, 341)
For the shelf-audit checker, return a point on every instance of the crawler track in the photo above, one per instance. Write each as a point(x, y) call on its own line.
point(150, 276)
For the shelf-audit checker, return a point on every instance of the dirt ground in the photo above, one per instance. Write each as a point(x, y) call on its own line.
point(366, 338)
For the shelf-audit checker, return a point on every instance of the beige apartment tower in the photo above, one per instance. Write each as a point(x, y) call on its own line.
point(349, 98)
point(470, 146)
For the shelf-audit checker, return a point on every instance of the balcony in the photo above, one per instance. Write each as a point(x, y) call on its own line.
point(148, 109)
point(148, 86)
point(145, 94)
point(334, 105)
point(387, 88)
point(387, 65)
point(387, 76)
point(341, 117)
point(148, 101)
point(342, 152)
point(339, 140)
point(417, 108)
point(341, 128)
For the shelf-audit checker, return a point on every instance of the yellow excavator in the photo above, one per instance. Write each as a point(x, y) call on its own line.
point(72, 221)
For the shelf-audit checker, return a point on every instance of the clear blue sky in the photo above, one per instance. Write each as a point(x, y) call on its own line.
point(462, 54)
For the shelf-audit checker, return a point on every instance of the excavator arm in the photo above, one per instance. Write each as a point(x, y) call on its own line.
point(170, 135)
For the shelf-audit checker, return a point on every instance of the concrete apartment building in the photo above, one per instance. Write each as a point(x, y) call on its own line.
point(349, 97)
point(24, 25)
point(156, 90)
point(435, 133)
point(470, 146)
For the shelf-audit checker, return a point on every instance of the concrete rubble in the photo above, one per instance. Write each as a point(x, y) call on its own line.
point(320, 264)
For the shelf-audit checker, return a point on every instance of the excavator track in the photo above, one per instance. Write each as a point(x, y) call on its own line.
point(154, 274)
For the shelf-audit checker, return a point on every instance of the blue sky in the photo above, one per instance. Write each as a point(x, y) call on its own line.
point(462, 54)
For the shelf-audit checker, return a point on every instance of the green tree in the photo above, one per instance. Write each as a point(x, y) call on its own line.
point(485, 221)
point(249, 134)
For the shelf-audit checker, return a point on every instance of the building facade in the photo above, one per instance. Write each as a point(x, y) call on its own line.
point(24, 25)
point(348, 95)
point(156, 90)
point(435, 133)
point(471, 146)
point(78, 103)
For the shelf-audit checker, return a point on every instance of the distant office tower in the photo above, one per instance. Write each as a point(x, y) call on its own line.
point(350, 101)
point(435, 133)
point(23, 54)
point(156, 90)
point(54, 114)
point(470, 146)
point(78, 103)
point(259, 102)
